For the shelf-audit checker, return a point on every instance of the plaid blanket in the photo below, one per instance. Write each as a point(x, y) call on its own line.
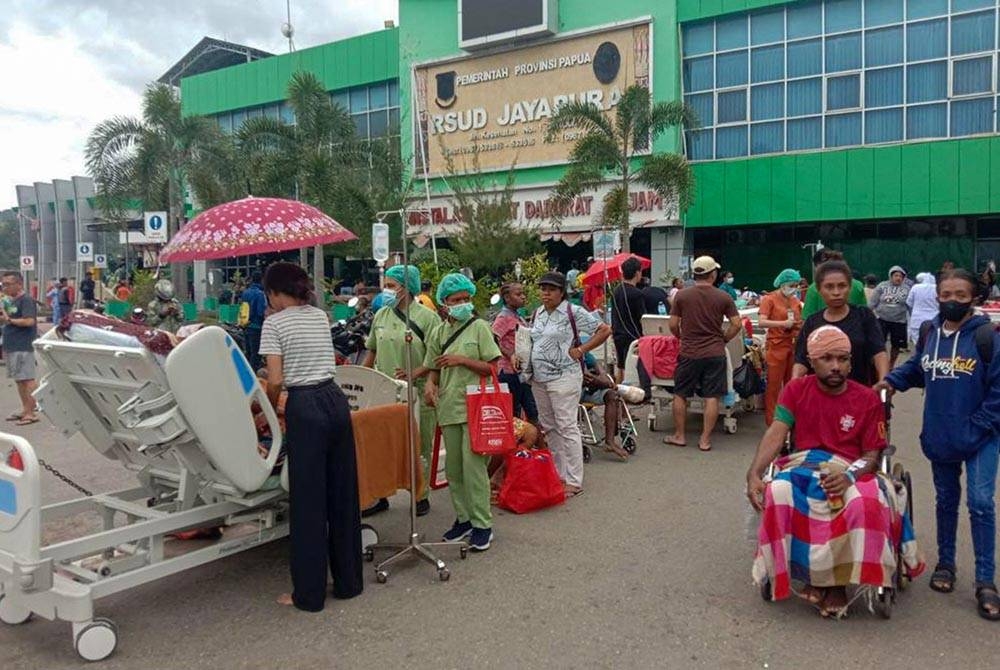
point(800, 539)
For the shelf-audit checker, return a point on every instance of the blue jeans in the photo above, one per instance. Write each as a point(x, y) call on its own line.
point(980, 481)
point(523, 398)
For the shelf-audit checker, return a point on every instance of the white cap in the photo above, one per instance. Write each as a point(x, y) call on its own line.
point(703, 265)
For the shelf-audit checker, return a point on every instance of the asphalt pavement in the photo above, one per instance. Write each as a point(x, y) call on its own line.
point(650, 568)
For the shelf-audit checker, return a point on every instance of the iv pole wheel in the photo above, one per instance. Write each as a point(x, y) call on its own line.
point(444, 574)
point(381, 576)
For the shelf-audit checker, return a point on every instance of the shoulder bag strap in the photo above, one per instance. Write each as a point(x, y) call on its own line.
point(413, 326)
point(454, 336)
point(576, 333)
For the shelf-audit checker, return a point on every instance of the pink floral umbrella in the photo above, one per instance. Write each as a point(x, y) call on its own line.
point(252, 226)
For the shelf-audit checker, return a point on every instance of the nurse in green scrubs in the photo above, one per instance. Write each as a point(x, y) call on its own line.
point(459, 352)
point(386, 346)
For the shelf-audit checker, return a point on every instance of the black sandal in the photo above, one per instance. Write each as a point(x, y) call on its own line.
point(943, 579)
point(987, 597)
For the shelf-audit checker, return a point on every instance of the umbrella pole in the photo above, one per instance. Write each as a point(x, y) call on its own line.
point(414, 546)
point(319, 275)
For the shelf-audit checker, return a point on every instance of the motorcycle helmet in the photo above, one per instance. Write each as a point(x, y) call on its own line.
point(164, 290)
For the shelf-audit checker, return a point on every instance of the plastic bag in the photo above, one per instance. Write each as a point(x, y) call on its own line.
point(531, 482)
point(491, 417)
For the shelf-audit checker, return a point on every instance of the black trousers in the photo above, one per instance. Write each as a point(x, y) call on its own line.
point(522, 396)
point(323, 478)
point(251, 343)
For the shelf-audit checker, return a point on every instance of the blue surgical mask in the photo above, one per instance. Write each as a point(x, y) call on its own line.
point(462, 312)
point(388, 297)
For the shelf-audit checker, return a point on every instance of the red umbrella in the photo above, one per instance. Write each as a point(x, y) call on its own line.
point(595, 273)
point(253, 226)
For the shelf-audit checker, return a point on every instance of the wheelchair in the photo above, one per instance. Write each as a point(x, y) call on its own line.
point(879, 599)
point(587, 419)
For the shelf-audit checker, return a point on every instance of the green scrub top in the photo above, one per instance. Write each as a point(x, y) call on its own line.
point(387, 339)
point(814, 301)
point(477, 343)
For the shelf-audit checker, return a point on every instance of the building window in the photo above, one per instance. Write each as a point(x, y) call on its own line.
point(836, 73)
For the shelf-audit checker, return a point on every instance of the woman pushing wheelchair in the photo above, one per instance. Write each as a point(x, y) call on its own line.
point(829, 519)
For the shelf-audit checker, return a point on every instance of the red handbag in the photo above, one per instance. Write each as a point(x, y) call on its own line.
point(531, 482)
point(491, 418)
point(432, 476)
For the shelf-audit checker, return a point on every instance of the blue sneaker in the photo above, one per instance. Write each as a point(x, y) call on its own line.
point(481, 538)
point(459, 531)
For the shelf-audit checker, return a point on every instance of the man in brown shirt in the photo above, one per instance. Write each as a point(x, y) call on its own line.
point(696, 318)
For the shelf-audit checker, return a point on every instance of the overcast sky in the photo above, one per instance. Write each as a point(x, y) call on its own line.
point(65, 65)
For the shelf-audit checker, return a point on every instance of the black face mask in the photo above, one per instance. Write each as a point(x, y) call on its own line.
point(953, 310)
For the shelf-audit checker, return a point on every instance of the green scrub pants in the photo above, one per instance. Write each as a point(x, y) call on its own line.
point(468, 479)
point(428, 426)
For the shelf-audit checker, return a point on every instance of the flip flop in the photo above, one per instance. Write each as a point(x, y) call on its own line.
point(616, 451)
point(701, 448)
point(26, 421)
point(15, 417)
point(674, 443)
point(573, 491)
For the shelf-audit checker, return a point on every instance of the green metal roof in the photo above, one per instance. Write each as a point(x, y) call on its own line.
point(355, 61)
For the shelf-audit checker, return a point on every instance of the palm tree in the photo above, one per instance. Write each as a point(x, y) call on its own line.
point(155, 158)
point(614, 150)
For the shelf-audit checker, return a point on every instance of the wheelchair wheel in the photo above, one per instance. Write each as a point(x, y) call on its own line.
point(587, 453)
point(628, 441)
point(765, 590)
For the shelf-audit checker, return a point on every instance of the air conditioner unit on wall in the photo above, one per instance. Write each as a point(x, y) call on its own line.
point(488, 23)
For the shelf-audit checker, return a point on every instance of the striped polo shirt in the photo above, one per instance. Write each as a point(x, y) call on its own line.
point(301, 336)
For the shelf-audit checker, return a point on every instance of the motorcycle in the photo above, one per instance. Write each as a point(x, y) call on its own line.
point(349, 337)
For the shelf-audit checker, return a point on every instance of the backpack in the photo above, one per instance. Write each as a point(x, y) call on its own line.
point(984, 339)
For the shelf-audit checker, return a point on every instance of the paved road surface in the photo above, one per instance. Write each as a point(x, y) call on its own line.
point(650, 568)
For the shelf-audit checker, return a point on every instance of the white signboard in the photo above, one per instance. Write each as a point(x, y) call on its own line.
point(100, 261)
point(27, 263)
point(84, 252)
point(606, 243)
point(155, 227)
point(380, 242)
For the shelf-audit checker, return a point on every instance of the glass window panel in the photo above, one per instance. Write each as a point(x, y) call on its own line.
point(378, 123)
point(287, 114)
point(271, 111)
point(767, 102)
point(843, 52)
point(731, 69)
point(884, 125)
point(699, 38)
point(884, 87)
point(927, 81)
point(972, 117)
point(731, 142)
point(238, 118)
point(359, 99)
point(973, 32)
point(732, 106)
point(921, 9)
point(767, 63)
point(805, 20)
point(926, 121)
point(699, 74)
point(255, 112)
point(805, 96)
point(927, 40)
point(394, 121)
point(843, 92)
point(731, 32)
point(393, 93)
point(843, 130)
point(883, 12)
point(842, 15)
point(767, 138)
point(699, 145)
point(767, 26)
point(361, 125)
point(973, 75)
point(884, 47)
point(805, 58)
point(702, 106)
point(805, 134)
point(378, 96)
point(225, 122)
point(342, 98)
point(966, 5)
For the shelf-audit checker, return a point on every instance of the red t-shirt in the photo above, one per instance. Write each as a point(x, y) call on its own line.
point(846, 424)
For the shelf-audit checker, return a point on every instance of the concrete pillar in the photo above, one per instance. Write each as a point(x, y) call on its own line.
point(666, 248)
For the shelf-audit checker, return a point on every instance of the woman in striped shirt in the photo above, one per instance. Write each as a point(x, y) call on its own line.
point(323, 473)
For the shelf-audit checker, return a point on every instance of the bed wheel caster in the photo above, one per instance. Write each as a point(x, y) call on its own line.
point(587, 454)
point(369, 555)
point(369, 538)
point(444, 575)
point(463, 553)
point(651, 423)
point(883, 603)
point(95, 641)
point(381, 576)
point(11, 614)
point(729, 425)
point(765, 590)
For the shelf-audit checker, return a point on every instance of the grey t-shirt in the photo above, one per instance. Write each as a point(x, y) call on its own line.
point(888, 301)
point(19, 338)
point(301, 336)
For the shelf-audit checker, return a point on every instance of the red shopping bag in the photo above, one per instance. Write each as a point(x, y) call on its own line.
point(435, 479)
point(491, 418)
point(531, 482)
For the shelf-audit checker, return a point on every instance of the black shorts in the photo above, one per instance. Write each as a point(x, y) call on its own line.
point(705, 377)
point(894, 332)
point(622, 343)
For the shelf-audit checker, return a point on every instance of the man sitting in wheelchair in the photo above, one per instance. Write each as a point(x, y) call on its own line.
point(829, 518)
point(599, 388)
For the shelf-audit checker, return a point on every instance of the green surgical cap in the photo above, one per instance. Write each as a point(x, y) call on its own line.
point(407, 275)
point(787, 276)
point(454, 283)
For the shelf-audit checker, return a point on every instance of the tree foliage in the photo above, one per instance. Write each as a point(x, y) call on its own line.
point(614, 149)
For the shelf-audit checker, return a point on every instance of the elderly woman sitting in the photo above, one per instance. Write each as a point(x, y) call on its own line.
point(829, 519)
